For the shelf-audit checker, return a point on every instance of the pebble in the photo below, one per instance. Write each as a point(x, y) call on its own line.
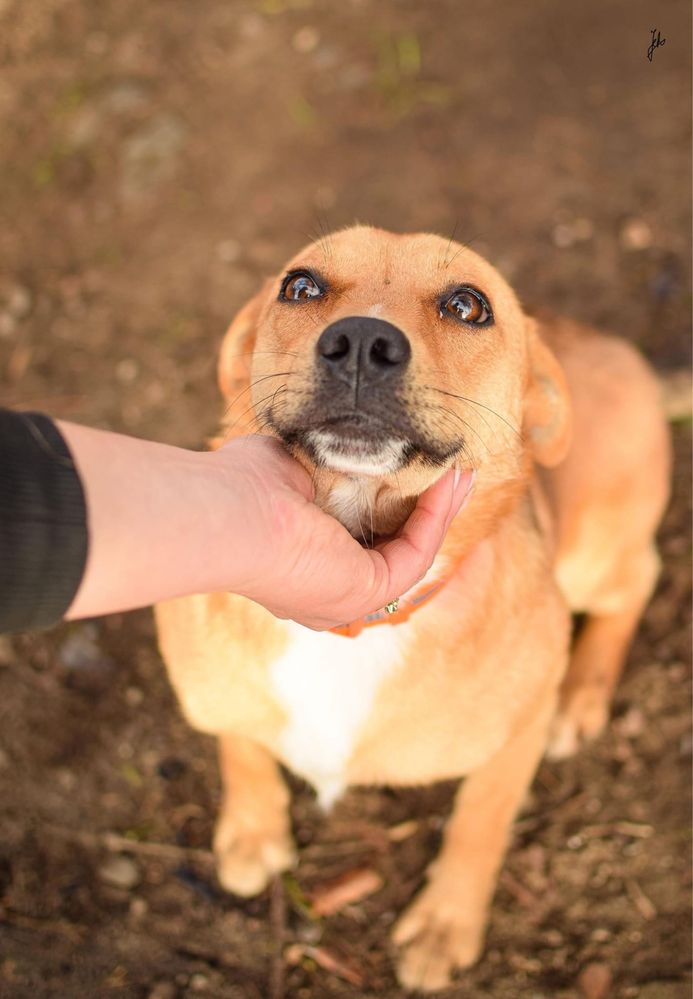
point(134, 696)
point(594, 981)
point(229, 251)
point(306, 39)
point(80, 653)
point(19, 302)
point(566, 234)
point(632, 724)
point(7, 325)
point(636, 235)
point(127, 370)
point(199, 982)
point(120, 871)
point(163, 990)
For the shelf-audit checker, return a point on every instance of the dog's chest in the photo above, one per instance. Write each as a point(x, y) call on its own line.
point(327, 685)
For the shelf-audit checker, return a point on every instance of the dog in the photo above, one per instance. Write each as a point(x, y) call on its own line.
point(380, 360)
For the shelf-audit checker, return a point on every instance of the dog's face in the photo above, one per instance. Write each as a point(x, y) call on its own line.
point(389, 358)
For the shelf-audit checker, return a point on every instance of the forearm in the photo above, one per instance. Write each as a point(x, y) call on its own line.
point(152, 512)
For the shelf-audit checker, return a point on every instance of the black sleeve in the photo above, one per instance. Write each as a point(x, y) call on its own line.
point(43, 523)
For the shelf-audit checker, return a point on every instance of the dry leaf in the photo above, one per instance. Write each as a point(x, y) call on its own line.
point(345, 890)
point(335, 964)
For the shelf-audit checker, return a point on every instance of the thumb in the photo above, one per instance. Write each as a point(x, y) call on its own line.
point(406, 558)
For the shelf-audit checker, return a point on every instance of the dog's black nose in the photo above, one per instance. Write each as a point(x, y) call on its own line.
point(371, 350)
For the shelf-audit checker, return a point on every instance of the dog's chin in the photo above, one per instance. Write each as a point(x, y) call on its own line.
point(355, 455)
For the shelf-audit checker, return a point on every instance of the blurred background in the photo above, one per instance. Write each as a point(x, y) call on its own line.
point(157, 161)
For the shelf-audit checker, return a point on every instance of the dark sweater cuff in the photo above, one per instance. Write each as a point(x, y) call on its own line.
point(43, 523)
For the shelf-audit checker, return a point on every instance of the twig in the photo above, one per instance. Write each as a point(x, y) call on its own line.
point(116, 843)
point(277, 980)
point(640, 900)
point(73, 931)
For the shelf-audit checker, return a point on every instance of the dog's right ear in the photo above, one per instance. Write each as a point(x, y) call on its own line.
point(236, 356)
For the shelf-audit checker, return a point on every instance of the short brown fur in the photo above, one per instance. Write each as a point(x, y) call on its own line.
point(571, 454)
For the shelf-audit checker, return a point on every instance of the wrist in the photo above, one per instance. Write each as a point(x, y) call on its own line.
point(153, 512)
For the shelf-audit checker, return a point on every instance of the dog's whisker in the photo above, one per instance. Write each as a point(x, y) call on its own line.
point(256, 406)
point(456, 416)
point(473, 402)
point(447, 249)
point(251, 386)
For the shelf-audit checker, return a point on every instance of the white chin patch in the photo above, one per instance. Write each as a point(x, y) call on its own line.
point(361, 458)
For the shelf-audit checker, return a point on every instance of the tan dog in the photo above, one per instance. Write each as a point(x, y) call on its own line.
point(381, 360)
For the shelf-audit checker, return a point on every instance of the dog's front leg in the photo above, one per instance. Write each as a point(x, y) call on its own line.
point(443, 929)
point(252, 840)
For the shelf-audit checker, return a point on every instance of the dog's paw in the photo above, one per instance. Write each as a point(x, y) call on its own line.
point(436, 940)
point(248, 859)
point(582, 716)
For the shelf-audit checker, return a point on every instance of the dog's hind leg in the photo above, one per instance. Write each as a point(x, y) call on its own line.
point(252, 840)
point(600, 652)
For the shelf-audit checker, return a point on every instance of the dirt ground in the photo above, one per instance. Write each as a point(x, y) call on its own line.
point(157, 161)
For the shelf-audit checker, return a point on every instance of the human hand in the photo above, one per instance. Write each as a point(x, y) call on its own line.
point(299, 562)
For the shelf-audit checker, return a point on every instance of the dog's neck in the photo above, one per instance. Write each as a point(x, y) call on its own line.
point(372, 509)
point(365, 506)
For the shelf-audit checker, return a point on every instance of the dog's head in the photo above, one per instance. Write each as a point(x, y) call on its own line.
point(381, 360)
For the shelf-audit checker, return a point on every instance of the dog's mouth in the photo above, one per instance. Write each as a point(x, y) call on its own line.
point(359, 444)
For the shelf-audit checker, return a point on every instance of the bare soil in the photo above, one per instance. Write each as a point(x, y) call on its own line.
point(158, 160)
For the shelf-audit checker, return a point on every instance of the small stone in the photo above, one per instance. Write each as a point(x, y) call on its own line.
point(568, 233)
point(636, 235)
point(120, 871)
point(163, 990)
point(134, 696)
point(66, 778)
point(199, 982)
point(138, 908)
point(124, 97)
point(8, 324)
point(19, 302)
point(600, 934)
point(80, 653)
point(127, 370)
point(563, 236)
point(229, 251)
point(594, 981)
point(632, 724)
point(306, 39)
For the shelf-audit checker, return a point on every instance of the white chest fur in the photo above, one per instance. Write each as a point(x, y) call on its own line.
point(327, 685)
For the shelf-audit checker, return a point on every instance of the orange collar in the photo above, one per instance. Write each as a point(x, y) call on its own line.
point(405, 607)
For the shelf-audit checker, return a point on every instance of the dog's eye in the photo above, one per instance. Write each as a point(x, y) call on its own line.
point(299, 286)
point(469, 306)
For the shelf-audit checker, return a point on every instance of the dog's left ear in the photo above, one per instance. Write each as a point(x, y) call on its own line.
point(547, 409)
